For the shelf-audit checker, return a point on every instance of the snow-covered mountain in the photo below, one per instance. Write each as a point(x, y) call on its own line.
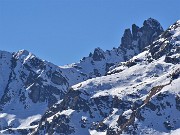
point(140, 96)
point(109, 92)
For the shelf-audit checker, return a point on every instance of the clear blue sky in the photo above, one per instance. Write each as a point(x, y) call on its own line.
point(63, 31)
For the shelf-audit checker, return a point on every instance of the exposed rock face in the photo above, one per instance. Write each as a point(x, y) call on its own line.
point(127, 39)
point(135, 30)
point(29, 86)
point(27, 72)
point(151, 30)
point(141, 37)
point(98, 54)
point(168, 45)
point(58, 79)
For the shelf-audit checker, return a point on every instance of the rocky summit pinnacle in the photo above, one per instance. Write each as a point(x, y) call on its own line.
point(141, 37)
point(98, 54)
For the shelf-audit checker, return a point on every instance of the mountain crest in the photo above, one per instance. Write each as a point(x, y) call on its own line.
point(23, 55)
point(139, 38)
point(98, 54)
point(153, 23)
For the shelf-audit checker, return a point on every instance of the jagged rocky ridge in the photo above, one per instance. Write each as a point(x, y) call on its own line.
point(140, 96)
point(32, 85)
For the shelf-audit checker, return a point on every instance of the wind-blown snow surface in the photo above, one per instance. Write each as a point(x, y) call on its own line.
point(140, 96)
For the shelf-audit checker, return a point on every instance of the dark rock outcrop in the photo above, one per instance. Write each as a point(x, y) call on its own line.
point(141, 37)
point(167, 45)
point(98, 54)
point(126, 40)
